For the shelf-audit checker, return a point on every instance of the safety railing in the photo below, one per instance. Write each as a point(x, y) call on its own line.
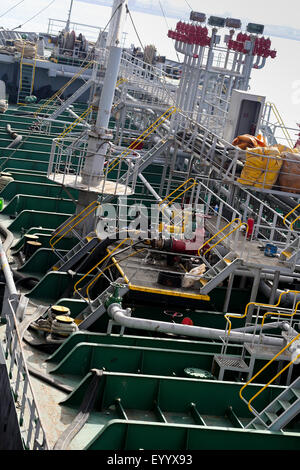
point(136, 273)
point(72, 223)
point(147, 79)
point(272, 108)
point(72, 126)
point(248, 402)
point(229, 161)
point(56, 95)
point(291, 226)
point(258, 304)
point(114, 263)
point(175, 214)
point(29, 416)
point(289, 315)
point(166, 201)
point(76, 290)
point(68, 158)
point(33, 65)
point(137, 142)
point(238, 223)
point(269, 221)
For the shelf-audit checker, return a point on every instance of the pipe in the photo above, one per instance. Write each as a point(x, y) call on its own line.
point(15, 142)
point(8, 236)
point(61, 73)
point(122, 317)
point(7, 272)
point(283, 325)
point(17, 139)
point(266, 275)
point(73, 114)
point(286, 301)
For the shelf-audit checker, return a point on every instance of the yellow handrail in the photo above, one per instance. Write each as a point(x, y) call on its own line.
point(223, 238)
point(280, 120)
point(257, 304)
point(287, 215)
point(112, 264)
point(82, 116)
point(74, 124)
point(120, 81)
point(97, 204)
point(274, 378)
point(96, 265)
point(187, 181)
point(294, 221)
point(141, 138)
point(63, 88)
point(281, 314)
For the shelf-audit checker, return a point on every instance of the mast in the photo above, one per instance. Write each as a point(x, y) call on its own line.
point(113, 35)
point(99, 135)
point(67, 28)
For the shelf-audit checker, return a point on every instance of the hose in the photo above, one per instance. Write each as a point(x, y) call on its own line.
point(20, 279)
point(49, 380)
point(85, 409)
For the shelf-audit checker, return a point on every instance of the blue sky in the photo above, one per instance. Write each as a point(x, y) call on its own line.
point(276, 80)
point(263, 11)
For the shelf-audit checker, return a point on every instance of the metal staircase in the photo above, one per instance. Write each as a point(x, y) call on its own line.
point(291, 252)
point(148, 157)
point(280, 411)
point(97, 307)
point(220, 271)
point(84, 87)
point(76, 254)
point(26, 79)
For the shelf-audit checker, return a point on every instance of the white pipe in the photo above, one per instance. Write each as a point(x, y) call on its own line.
point(122, 317)
point(7, 272)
